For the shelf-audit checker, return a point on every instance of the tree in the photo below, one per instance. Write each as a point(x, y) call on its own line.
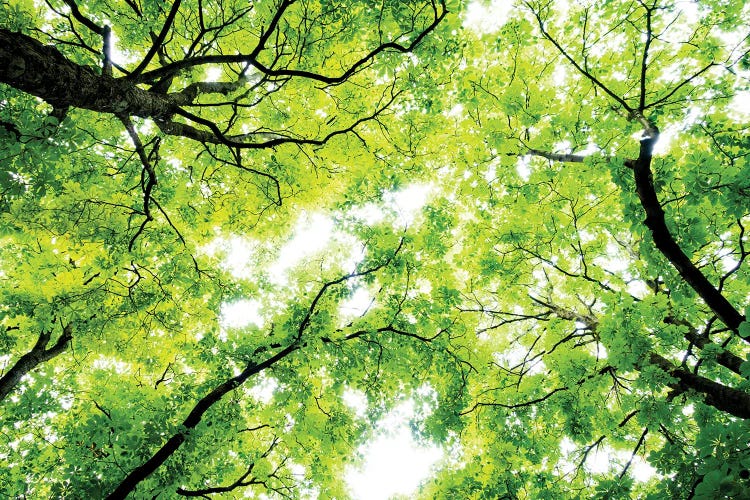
point(607, 269)
point(138, 139)
point(573, 291)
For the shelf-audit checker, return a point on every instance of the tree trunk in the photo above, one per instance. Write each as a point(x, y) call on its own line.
point(43, 71)
point(723, 398)
point(667, 245)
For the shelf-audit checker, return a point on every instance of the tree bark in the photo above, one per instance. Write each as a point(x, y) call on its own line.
point(664, 241)
point(35, 357)
point(727, 399)
point(43, 71)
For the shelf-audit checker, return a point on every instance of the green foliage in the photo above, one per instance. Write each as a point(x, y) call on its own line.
point(530, 305)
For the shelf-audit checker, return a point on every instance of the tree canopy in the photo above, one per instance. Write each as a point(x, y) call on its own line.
point(573, 285)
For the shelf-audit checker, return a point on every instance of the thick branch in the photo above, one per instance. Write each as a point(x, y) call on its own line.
point(664, 241)
point(35, 357)
point(721, 397)
point(42, 71)
point(724, 358)
point(565, 158)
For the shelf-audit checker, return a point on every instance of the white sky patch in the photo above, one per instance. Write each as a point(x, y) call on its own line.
point(740, 107)
point(673, 130)
point(666, 135)
point(356, 400)
point(603, 459)
point(264, 389)
point(405, 202)
point(395, 463)
point(456, 111)
point(241, 313)
point(408, 201)
point(522, 167)
point(312, 234)
point(239, 257)
point(357, 305)
point(638, 288)
point(4, 362)
point(213, 74)
point(484, 17)
point(369, 213)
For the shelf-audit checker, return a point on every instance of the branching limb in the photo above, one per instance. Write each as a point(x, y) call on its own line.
point(644, 57)
point(157, 42)
point(583, 71)
point(244, 480)
point(724, 398)
point(214, 135)
point(439, 12)
point(147, 182)
point(588, 449)
point(104, 31)
point(516, 405)
point(137, 475)
point(665, 242)
point(655, 220)
point(36, 356)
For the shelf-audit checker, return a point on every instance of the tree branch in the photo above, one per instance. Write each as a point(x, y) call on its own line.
point(157, 42)
point(137, 475)
point(664, 241)
point(565, 158)
point(35, 357)
point(251, 58)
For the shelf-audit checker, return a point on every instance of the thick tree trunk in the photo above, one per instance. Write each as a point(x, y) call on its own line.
point(43, 71)
point(35, 357)
point(732, 401)
point(667, 245)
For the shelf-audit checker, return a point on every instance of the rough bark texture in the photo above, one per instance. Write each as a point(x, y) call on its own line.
point(42, 71)
point(721, 397)
point(35, 357)
point(724, 357)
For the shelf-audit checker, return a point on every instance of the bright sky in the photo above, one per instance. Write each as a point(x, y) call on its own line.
point(395, 463)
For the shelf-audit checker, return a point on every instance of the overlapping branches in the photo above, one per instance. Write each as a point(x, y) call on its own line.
point(641, 166)
point(280, 53)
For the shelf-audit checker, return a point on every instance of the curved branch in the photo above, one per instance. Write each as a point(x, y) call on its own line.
point(666, 243)
point(157, 42)
point(35, 357)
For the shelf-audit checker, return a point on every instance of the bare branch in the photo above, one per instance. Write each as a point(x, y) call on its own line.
point(157, 42)
point(565, 158)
